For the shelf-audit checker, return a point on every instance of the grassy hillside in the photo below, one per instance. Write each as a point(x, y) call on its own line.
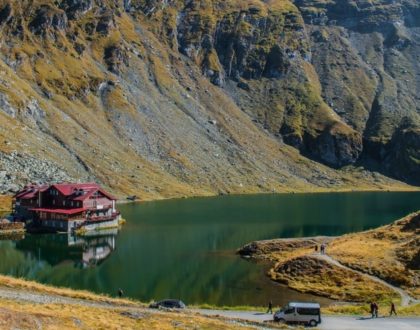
point(390, 253)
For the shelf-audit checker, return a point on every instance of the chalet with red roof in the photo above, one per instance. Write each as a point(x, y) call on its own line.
point(66, 206)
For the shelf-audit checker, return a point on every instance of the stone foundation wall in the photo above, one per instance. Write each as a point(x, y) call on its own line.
point(102, 225)
point(12, 226)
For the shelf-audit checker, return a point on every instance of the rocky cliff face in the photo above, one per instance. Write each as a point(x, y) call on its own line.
point(169, 97)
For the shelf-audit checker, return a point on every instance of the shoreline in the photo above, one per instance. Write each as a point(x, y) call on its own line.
point(412, 189)
point(121, 201)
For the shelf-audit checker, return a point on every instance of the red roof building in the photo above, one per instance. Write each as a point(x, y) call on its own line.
point(65, 206)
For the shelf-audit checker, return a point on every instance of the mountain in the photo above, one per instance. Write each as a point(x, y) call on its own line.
point(166, 98)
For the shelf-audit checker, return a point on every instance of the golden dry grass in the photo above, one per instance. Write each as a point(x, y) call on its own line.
point(5, 203)
point(386, 252)
point(15, 283)
point(18, 315)
point(311, 275)
point(359, 309)
point(389, 252)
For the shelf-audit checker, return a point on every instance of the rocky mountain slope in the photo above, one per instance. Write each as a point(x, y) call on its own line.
point(168, 98)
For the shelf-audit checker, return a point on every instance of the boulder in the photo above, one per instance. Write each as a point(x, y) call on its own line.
point(115, 57)
point(76, 8)
point(105, 24)
point(47, 18)
point(6, 14)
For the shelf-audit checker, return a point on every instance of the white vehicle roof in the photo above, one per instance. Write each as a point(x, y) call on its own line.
point(304, 305)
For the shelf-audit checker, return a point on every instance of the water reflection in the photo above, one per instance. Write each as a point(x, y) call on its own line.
point(89, 250)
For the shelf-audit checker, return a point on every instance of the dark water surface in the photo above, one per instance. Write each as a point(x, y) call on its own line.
point(186, 248)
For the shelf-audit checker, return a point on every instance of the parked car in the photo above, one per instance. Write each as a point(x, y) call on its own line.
point(168, 303)
point(299, 312)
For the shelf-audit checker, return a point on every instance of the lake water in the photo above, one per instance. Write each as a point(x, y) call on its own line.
point(186, 248)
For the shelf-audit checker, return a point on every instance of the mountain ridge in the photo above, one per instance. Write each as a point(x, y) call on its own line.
point(180, 98)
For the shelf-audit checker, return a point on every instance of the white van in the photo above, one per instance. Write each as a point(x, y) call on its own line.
point(299, 312)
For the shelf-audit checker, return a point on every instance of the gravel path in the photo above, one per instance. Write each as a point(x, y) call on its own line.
point(328, 323)
point(405, 298)
point(42, 298)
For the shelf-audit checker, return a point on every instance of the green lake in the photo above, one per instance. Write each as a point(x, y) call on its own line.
point(186, 248)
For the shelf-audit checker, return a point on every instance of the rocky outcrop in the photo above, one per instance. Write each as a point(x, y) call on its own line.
point(19, 169)
point(5, 14)
point(115, 57)
point(240, 44)
point(47, 18)
point(334, 147)
point(76, 8)
point(105, 23)
point(264, 249)
point(402, 154)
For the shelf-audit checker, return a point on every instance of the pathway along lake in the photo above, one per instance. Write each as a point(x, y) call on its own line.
point(186, 248)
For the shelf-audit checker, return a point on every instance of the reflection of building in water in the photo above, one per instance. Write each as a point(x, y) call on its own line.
point(84, 251)
point(97, 250)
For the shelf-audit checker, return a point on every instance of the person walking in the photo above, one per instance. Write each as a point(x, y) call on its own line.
point(316, 248)
point(393, 310)
point(375, 309)
point(372, 309)
point(270, 307)
point(322, 248)
point(120, 292)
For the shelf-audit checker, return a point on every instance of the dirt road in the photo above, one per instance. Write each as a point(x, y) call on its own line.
point(328, 322)
point(331, 322)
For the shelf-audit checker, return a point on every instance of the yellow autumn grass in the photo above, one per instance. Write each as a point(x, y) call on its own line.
point(18, 315)
point(388, 252)
point(15, 283)
point(311, 275)
point(384, 252)
point(5, 203)
point(359, 309)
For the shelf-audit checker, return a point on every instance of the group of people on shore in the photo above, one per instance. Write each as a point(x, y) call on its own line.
point(374, 309)
point(321, 248)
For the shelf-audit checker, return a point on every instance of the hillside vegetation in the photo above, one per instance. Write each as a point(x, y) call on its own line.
point(390, 253)
point(165, 98)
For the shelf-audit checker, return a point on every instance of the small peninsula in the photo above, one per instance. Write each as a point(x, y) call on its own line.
point(380, 264)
